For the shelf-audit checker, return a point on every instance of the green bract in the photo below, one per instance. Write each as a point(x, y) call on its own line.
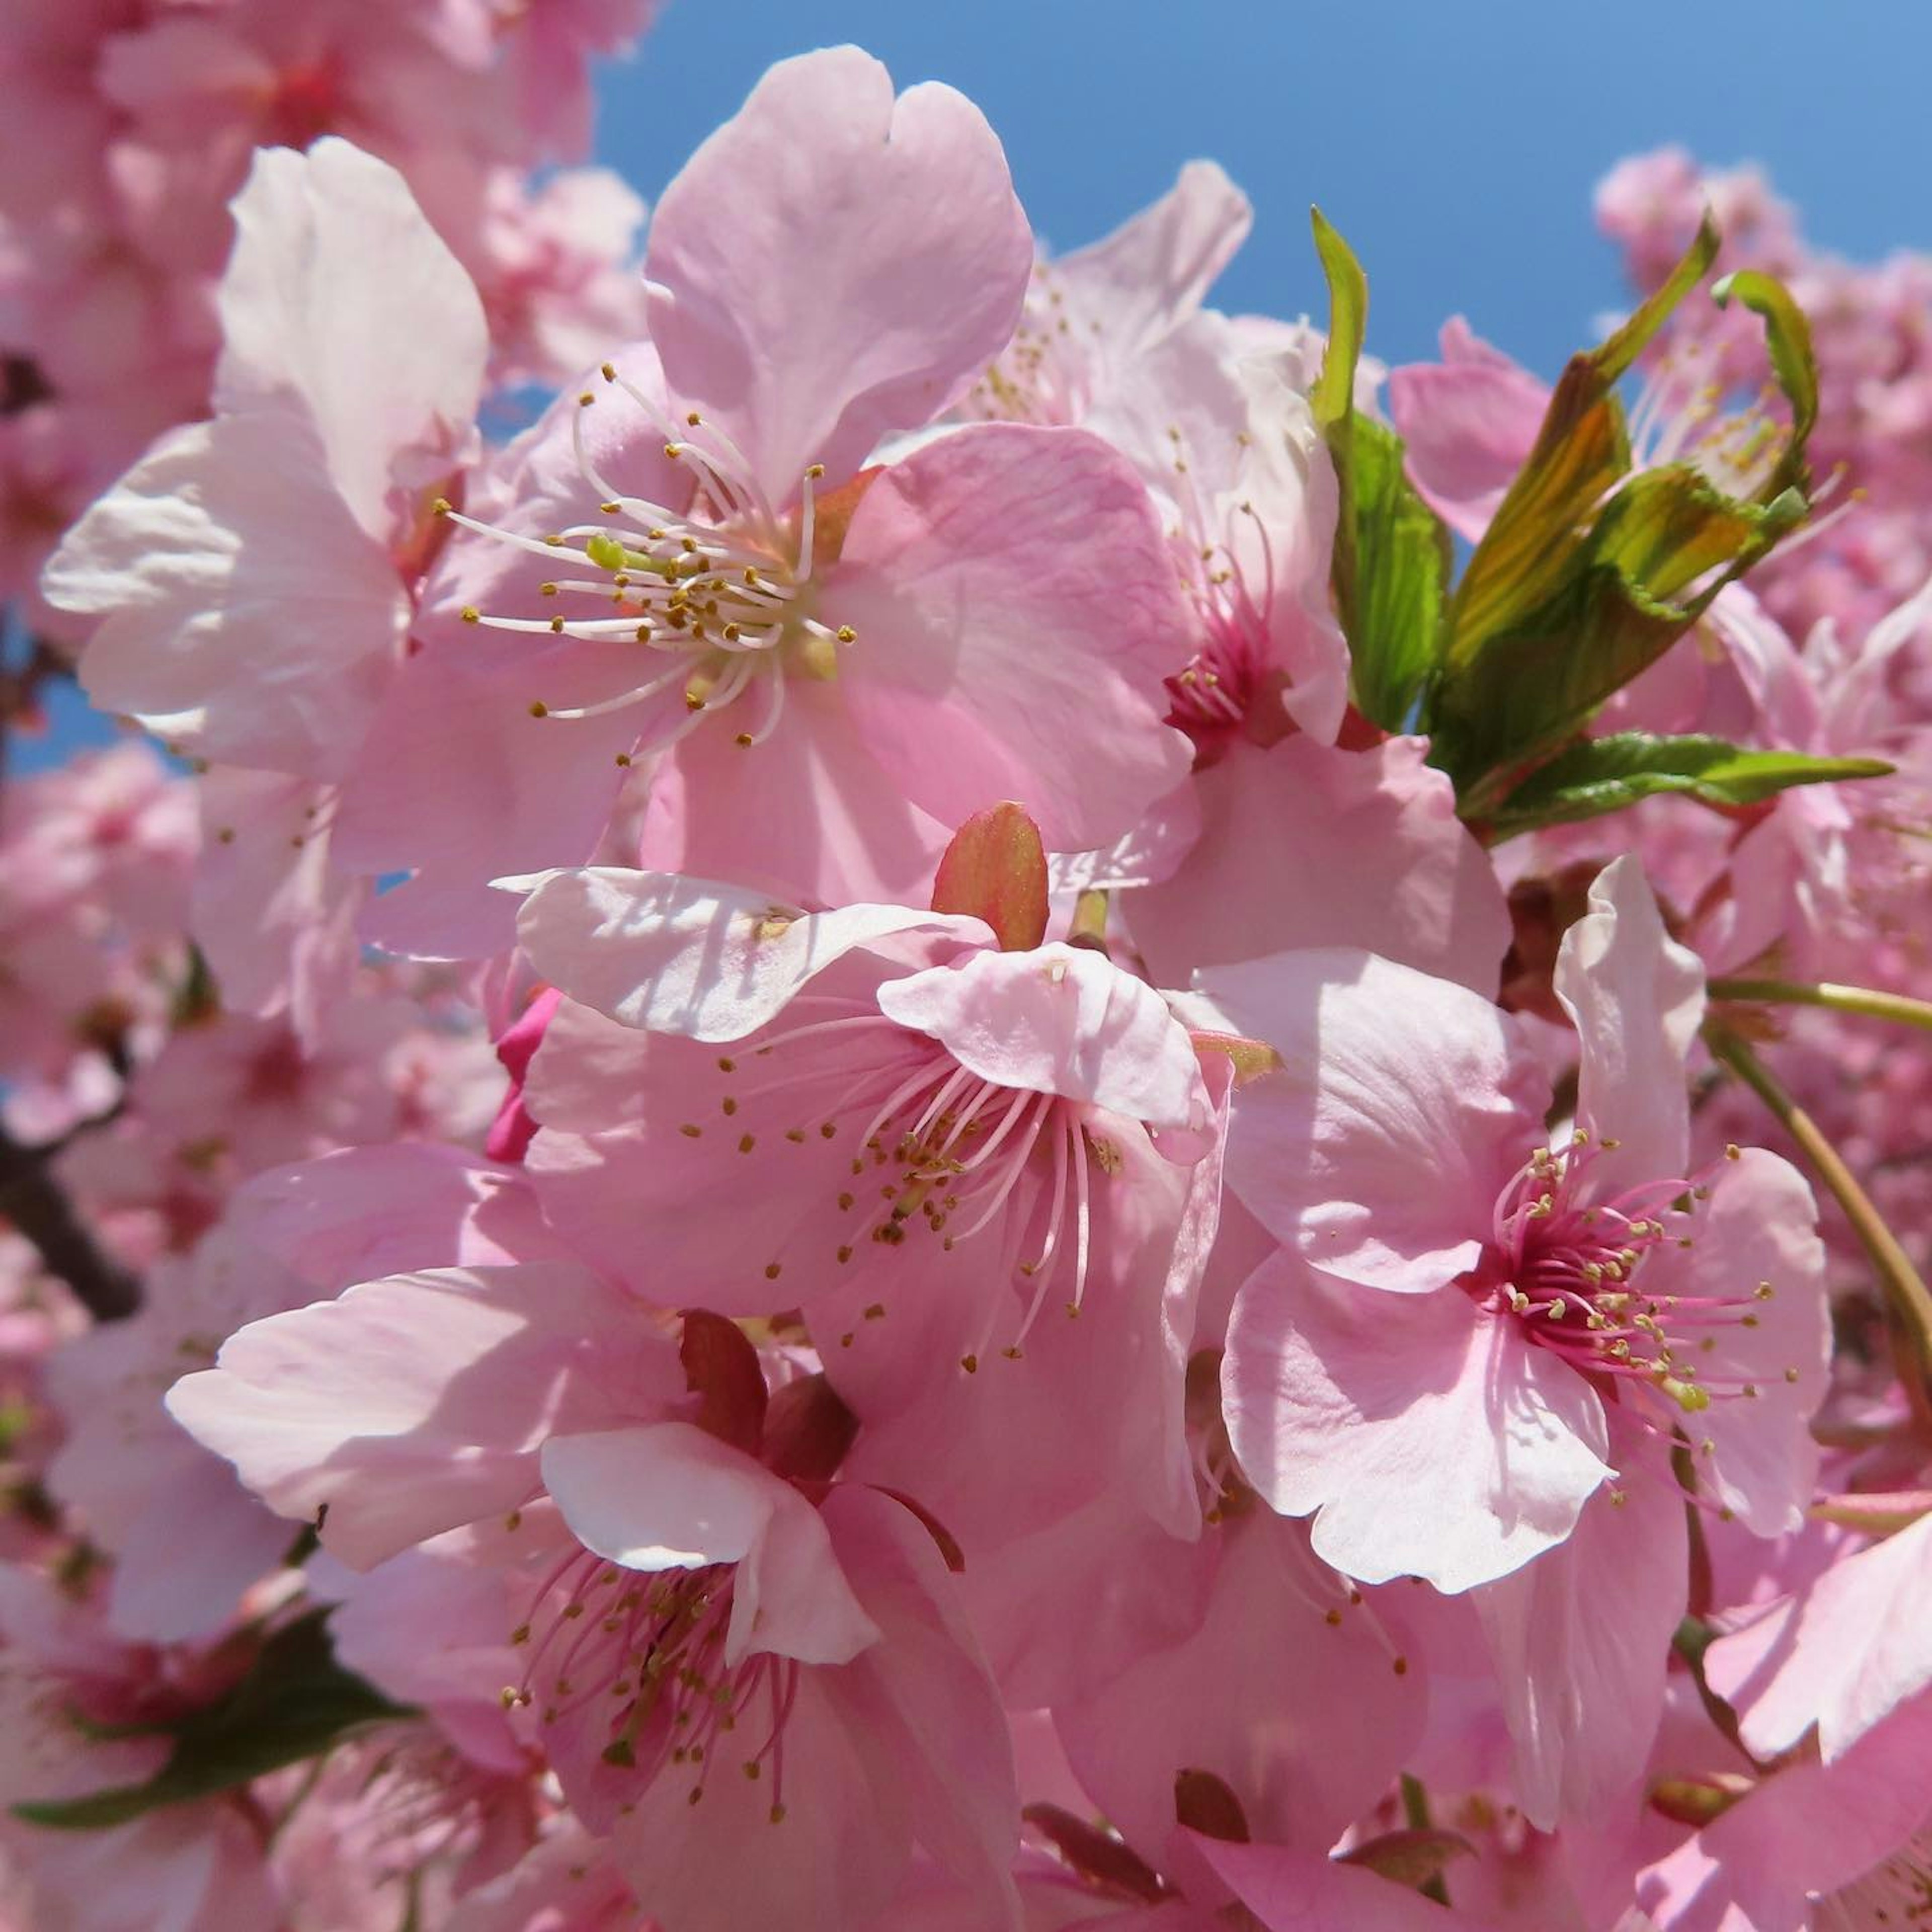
point(1590, 569)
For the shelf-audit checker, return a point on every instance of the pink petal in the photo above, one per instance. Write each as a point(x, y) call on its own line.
point(341, 298)
point(360, 1213)
point(833, 264)
point(677, 954)
point(276, 922)
point(670, 1497)
point(1284, 1689)
point(503, 792)
point(1470, 423)
point(1016, 612)
point(246, 613)
point(1844, 1654)
point(1581, 1639)
point(722, 1865)
point(418, 1403)
point(652, 1179)
point(1379, 860)
point(1637, 999)
point(1429, 1438)
point(1063, 1019)
point(920, 1704)
point(1403, 1105)
point(1754, 1453)
point(1152, 273)
point(810, 813)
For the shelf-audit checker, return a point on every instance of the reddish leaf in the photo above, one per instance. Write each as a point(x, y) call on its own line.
point(808, 1430)
point(1206, 1804)
point(995, 869)
point(722, 1369)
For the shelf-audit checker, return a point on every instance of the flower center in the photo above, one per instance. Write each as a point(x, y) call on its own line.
point(1045, 375)
point(936, 1148)
point(718, 596)
point(637, 1659)
point(1570, 1267)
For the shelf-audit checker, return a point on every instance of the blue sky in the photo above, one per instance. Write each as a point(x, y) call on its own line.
point(1457, 146)
point(1455, 143)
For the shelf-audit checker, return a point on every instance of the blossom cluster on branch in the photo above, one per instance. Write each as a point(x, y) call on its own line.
point(995, 1105)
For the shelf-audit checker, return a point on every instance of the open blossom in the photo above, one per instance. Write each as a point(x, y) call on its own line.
point(698, 559)
point(246, 569)
point(950, 1145)
point(1545, 1288)
point(815, 1620)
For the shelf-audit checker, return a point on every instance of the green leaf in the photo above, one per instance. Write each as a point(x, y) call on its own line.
point(1600, 775)
point(1588, 573)
point(1788, 338)
point(1332, 397)
point(295, 1702)
point(1662, 549)
point(1540, 528)
point(1390, 569)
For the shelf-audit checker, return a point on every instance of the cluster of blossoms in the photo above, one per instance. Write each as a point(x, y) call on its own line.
point(132, 123)
point(888, 1137)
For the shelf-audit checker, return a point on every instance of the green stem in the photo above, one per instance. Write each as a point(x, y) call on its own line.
point(1415, 1815)
point(1910, 1298)
point(1837, 999)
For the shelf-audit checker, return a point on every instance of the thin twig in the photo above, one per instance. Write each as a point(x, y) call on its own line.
point(1864, 1000)
point(33, 1201)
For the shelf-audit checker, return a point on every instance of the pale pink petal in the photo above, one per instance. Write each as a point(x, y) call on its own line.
point(1016, 612)
point(1430, 1438)
point(920, 1704)
point(676, 954)
point(458, 781)
point(362, 1213)
point(1403, 1105)
point(670, 1497)
point(1304, 844)
point(342, 299)
point(720, 1865)
point(810, 814)
point(1764, 1350)
point(1153, 272)
point(418, 1403)
point(1810, 1828)
point(1581, 1639)
point(705, 1182)
point(1286, 1689)
point(276, 921)
point(166, 1591)
point(1470, 422)
point(833, 264)
point(244, 608)
point(1061, 1019)
point(1842, 1654)
point(1637, 999)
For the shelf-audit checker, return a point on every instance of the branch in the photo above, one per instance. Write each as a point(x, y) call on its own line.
point(33, 1201)
point(1866, 1000)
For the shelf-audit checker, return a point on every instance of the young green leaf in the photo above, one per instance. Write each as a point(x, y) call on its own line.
point(1391, 569)
point(295, 1702)
point(1600, 775)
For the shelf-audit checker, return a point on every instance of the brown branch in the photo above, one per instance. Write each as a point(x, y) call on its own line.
point(33, 1201)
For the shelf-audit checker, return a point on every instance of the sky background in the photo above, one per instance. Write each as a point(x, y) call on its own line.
point(1456, 143)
